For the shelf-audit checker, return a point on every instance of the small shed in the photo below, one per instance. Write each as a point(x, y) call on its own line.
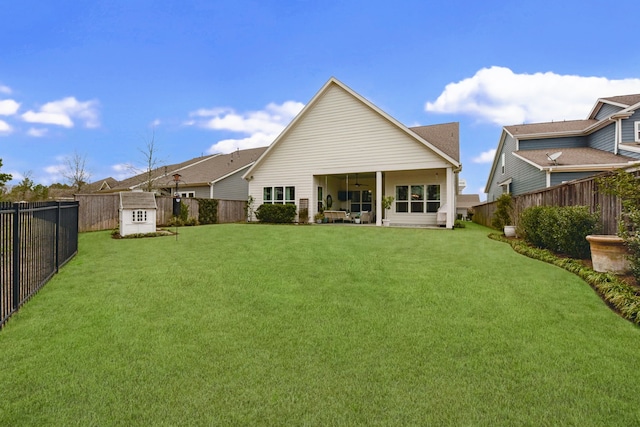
point(137, 212)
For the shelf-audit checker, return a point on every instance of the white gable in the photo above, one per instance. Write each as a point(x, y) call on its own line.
point(339, 133)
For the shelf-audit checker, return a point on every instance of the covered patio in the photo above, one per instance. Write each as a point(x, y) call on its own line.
point(418, 197)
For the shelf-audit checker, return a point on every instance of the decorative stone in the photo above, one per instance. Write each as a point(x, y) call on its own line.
point(608, 254)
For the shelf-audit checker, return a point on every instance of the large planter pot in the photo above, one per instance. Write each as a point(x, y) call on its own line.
point(608, 254)
point(510, 230)
point(386, 222)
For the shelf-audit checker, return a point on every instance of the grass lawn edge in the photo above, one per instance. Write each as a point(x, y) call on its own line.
point(621, 297)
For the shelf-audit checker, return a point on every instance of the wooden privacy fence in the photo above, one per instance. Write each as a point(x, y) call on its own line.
point(100, 211)
point(583, 192)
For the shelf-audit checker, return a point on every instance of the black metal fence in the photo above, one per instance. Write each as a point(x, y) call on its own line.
point(37, 239)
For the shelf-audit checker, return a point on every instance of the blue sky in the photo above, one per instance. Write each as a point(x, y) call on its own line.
point(99, 78)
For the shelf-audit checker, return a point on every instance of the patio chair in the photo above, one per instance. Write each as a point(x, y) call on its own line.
point(365, 217)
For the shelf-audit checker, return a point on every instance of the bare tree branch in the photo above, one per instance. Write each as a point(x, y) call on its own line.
point(76, 173)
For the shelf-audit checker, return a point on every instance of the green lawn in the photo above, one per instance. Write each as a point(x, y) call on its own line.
point(316, 325)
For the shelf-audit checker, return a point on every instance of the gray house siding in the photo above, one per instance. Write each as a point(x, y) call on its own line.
point(553, 143)
point(529, 178)
point(199, 192)
point(559, 178)
point(629, 153)
point(232, 188)
point(508, 147)
point(603, 139)
point(606, 110)
point(628, 127)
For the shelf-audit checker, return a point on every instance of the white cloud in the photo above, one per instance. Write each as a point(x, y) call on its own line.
point(55, 173)
point(500, 96)
point(62, 112)
point(8, 107)
point(37, 132)
point(5, 89)
point(485, 156)
point(122, 171)
point(5, 128)
point(259, 127)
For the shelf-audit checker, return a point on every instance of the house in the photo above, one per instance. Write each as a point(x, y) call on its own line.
point(341, 152)
point(216, 176)
point(539, 155)
point(137, 212)
point(465, 203)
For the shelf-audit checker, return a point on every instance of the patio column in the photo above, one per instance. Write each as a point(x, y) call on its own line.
point(379, 211)
point(451, 197)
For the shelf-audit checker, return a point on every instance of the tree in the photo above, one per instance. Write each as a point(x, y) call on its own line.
point(22, 191)
point(151, 162)
point(4, 178)
point(76, 173)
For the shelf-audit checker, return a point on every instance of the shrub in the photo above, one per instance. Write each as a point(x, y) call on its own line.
point(559, 229)
point(529, 226)
point(502, 215)
point(208, 211)
point(276, 214)
point(574, 224)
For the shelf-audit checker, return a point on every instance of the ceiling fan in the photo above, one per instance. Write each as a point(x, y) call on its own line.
point(357, 184)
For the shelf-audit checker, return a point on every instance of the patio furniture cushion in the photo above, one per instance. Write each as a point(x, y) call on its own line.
point(332, 216)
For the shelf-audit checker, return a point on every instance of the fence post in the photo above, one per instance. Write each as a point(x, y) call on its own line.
point(57, 249)
point(16, 257)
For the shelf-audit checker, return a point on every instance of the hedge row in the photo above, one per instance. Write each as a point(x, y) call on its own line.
point(560, 229)
point(276, 214)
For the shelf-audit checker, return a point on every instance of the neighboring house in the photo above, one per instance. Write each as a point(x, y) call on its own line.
point(539, 155)
point(465, 202)
point(137, 212)
point(217, 176)
point(343, 152)
point(100, 185)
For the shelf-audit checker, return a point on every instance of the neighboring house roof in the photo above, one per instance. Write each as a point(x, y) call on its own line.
point(416, 133)
point(626, 103)
point(589, 159)
point(196, 172)
point(625, 100)
point(100, 185)
point(466, 201)
point(137, 200)
point(445, 136)
point(539, 129)
point(573, 158)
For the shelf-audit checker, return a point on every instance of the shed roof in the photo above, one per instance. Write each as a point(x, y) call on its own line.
point(137, 200)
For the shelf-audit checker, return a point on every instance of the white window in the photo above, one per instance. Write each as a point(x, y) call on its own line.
point(279, 195)
point(637, 131)
point(414, 199)
point(503, 157)
point(139, 216)
point(187, 194)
